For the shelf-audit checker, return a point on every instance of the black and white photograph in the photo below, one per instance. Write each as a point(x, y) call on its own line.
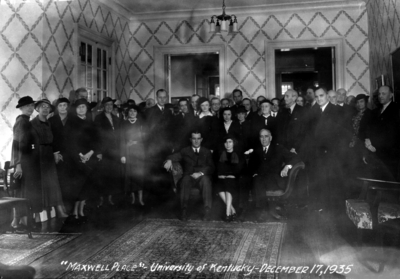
point(199, 139)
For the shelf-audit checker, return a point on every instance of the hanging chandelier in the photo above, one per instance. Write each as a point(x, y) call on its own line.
point(219, 23)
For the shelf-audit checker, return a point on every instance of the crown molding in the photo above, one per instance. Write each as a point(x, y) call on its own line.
point(248, 10)
point(116, 7)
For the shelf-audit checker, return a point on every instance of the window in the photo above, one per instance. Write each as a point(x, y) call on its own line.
point(94, 69)
point(286, 86)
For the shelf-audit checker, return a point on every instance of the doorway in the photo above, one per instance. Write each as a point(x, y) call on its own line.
point(302, 68)
point(338, 60)
point(163, 75)
point(193, 74)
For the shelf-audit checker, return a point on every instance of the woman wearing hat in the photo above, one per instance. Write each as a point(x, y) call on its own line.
point(360, 122)
point(108, 127)
point(84, 157)
point(206, 123)
point(45, 157)
point(132, 150)
point(62, 125)
point(21, 159)
point(230, 164)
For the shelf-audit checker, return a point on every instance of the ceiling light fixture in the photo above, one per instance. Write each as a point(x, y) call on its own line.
point(219, 23)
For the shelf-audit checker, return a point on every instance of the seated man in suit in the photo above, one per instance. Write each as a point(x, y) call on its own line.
point(197, 167)
point(266, 165)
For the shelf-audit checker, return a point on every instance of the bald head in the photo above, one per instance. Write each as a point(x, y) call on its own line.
point(341, 95)
point(290, 97)
point(385, 95)
point(332, 96)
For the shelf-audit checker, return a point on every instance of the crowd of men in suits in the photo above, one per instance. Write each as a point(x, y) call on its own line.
point(337, 141)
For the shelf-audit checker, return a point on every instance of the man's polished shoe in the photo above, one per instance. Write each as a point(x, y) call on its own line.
point(206, 216)
point(183, 215)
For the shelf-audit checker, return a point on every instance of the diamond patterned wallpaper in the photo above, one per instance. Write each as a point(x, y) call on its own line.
point(246, 58)
point(37, 51)
point(37, 48)
point(384, 30)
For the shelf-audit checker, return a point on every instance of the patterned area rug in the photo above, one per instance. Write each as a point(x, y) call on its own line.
point(18, 249)
point(173, 249)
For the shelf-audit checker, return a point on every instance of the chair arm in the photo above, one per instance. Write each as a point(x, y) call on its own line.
point(292, 179)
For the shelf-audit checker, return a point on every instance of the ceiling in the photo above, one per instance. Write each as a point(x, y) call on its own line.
point(140, 7)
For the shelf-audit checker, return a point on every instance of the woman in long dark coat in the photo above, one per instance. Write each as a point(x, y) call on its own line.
point(360, 122)
point(21, 159)
point(132, 150)
point(44, 156)
point(84, 153)
point(229, 166)
point(62, 126)
point(108, 127)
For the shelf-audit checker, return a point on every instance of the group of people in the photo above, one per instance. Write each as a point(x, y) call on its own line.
point(72, 151)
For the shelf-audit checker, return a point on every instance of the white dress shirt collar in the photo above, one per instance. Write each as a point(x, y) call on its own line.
point(292, 107)
point(385, 106)
point(324, 106)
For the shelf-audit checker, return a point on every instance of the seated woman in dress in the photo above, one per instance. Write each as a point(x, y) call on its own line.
point(132, 151)
point(229, 167)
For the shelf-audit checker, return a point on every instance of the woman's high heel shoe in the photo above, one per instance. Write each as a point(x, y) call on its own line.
point(233, 217)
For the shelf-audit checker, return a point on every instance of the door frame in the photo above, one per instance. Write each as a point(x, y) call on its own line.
point(161, 73)
point(271, 46)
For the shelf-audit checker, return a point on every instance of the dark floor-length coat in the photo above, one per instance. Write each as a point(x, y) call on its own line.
point(132, 148)
point(63, 135)
point(22, 154)
point(85, 140)
point(109, 173)
point(42, 155)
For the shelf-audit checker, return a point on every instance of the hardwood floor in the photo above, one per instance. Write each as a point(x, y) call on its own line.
point(311, 238)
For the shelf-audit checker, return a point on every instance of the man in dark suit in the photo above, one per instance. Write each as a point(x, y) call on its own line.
point(293, 133)
point(383, 135)
point(247, 106)
point(237, 96)
point(159, 132)
point(266, 165)
point(263, 121)
point(197, 167)
point(183, 123)
point(310, 98)
point(245, 128)
point(215, 107)
point(193, 103)
point(326, 144)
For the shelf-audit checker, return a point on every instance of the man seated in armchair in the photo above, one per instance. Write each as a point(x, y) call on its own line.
point(270, 164)
point(197, 167)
